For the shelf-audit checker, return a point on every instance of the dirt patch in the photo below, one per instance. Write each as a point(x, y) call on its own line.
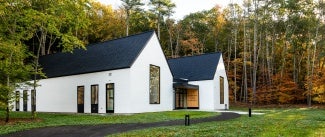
point(13, 121)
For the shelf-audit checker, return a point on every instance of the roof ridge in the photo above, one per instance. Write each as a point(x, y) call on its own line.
point(94, 44)
point(204, 54)
point(141, 33)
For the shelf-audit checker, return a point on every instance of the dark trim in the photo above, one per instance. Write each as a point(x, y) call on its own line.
point(185, 86)
point(94, 107)
point(81, 107)
point(110, 111)
point(158, 83)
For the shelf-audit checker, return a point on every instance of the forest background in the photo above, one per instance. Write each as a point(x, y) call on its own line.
point(274, 50)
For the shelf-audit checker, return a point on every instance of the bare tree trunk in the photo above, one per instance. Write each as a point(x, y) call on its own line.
point(8, 92)
point(244, 58)
point(235, 64)
point(177, 42)
point(255, 53)
point(127, 22)
point(229, 54)
point(7, 100)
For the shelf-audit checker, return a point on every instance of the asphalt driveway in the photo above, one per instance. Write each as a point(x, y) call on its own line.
point(107, 129)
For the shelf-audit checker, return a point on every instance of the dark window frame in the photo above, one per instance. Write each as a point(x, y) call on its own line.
point(83, 100)
point(159, 80)
point(222, 89)
point(94, 103)
point(111, 88)
point(91, 94)
point(25, 100)
point(17, 100)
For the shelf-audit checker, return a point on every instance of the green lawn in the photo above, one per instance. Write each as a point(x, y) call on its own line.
point(275, 123)
point(57, 119)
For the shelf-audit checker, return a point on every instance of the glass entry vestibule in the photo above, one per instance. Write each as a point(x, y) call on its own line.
point(186, 96)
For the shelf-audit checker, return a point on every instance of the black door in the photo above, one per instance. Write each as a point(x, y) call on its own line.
point(94, 98)
point(80, 99)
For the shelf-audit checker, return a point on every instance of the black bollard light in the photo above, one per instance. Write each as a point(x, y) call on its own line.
point(187, 120)
point(226, 107)
point(250, 112)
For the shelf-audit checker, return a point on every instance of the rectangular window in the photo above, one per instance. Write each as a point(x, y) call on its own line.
point(110, 98)
point(94, 94)
point(33, 94)
point(222, 90)
point(80, 94)
point(25, 99)
point(17, 100)
point(80, 99)
point(94, 98)
point(154, 84)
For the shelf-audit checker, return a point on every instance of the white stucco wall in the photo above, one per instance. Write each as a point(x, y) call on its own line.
point(209, 90)
point(60, 94)
point(139, 77)
point(221, 71)
point(206, 94)
point(131, 87)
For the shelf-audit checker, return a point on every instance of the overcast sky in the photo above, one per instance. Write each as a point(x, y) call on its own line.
point(183, 7)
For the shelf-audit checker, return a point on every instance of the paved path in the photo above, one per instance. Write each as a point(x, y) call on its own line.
point(107, 129)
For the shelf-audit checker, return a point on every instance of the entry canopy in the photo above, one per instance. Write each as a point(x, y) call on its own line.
point(185, 85)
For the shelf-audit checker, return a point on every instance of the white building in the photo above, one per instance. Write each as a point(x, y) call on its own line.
point(126, 75)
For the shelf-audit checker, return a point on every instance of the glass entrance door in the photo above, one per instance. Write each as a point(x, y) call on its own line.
point(180, 99)
point(110, 98)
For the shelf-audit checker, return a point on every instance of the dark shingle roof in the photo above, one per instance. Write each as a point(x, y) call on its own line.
point(195, 68)
point(109, 55)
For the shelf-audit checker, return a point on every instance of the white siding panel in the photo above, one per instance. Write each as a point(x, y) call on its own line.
point(221, 71)
point(206, 94)
point(139, 94)
point(60, 94)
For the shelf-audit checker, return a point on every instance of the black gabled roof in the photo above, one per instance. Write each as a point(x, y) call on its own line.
point(109, 55)
point(195, 68)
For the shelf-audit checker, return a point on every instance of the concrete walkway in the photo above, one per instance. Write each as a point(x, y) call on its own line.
point(107, 129)
point(240, 112)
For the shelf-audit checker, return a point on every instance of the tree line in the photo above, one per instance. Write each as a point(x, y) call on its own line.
point(273, 50)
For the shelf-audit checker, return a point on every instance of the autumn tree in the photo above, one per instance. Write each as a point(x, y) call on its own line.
point(15, 27)
point(106, 23)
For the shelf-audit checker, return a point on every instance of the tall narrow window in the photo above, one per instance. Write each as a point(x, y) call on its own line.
point(17, 100)
point(94, 98)
point(110, 98)
point(25, 99)
point(33, 95)
point(222, 90)
point(80, 99)
point(154, 84)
